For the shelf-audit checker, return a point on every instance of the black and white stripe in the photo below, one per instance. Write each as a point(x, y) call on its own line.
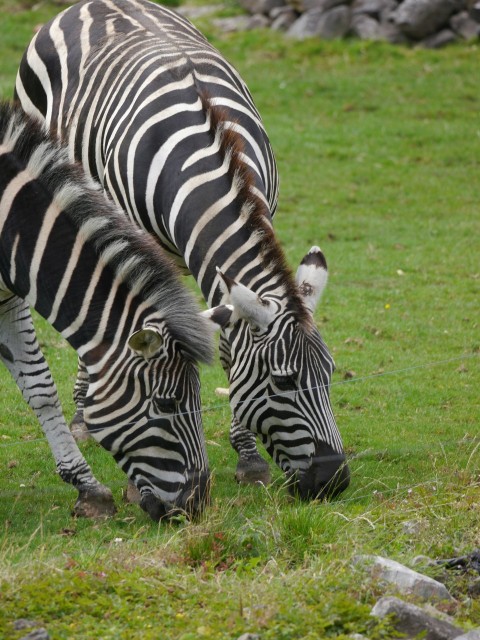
point(69, 253)
point(170, 130)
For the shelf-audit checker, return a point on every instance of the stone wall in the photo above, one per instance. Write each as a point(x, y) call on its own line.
point(429, 23)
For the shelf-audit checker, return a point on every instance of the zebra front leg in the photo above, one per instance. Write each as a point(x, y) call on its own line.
point(77, 425)
point(80, 430)
point(20, 352)
point(251, 467)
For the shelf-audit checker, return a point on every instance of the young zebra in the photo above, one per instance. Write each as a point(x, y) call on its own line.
point(170, 130)
point(67, 252)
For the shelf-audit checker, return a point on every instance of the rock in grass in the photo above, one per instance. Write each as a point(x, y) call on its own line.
point(331, 24)
point(474, 634)
point(414, 621)
point(405, 580)
point(23, 623)
point(37, 634)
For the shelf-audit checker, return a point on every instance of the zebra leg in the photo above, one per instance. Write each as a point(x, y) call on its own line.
point(20, 352)
point(77, 426)
point(251, 467)
point(80, 431)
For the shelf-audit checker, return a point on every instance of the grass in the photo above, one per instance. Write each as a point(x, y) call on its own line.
point(377, 148)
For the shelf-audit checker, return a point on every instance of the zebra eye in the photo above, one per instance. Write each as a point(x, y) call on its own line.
point(166, 405)
point(285, 383)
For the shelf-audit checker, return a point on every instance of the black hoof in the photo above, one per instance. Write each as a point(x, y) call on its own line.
point(94, 502)
point(253, 470)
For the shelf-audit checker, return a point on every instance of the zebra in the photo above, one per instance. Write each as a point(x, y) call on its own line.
point(169, 128)
point(66, 251)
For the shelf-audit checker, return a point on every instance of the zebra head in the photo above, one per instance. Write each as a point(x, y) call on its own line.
point(143, 406)
point(279, 372)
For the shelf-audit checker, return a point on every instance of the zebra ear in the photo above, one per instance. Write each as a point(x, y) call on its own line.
point(146, 342)
point(219, 316)
point(246, 303)
point(312, 277)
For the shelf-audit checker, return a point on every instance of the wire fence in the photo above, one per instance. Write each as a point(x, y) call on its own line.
point(286, 394)
point(438, 447)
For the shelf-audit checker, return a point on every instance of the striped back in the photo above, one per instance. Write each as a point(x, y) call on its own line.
point(117, 299)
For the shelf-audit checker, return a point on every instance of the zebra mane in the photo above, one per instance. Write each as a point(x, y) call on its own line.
point(258, 220)
point(133, 254)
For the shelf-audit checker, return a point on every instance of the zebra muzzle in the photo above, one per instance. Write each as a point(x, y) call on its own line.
point(327, 477)
point(192, 499)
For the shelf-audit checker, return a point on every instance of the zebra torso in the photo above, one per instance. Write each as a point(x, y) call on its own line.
point(67, 252)
point(170, 130)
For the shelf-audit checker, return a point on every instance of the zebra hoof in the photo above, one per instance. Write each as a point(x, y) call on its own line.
point(131, 494)
point(253, 471)
point(78, 428)
point(94, 502)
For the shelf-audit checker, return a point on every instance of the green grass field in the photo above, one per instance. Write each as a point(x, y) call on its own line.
point(378, 152)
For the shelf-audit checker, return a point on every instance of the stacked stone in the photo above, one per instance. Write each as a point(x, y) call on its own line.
point(428, 23)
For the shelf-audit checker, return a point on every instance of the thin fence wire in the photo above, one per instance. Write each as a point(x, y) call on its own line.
point(379, 454)
point(225, 405)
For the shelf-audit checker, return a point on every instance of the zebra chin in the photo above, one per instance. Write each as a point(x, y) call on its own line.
point(191, 501)
point(326, 478)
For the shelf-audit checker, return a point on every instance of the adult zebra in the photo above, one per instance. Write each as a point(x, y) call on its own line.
point(66, 251)
point(170, 130)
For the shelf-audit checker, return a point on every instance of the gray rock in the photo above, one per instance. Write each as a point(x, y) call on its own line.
point(236, 23)
point(366, 27)
point(282, 19)
point(324, 5)
point(23, 623)
point(474, 634)
point(405, 580)
point(474, 11)
point(439, 39)
point(258, 21)
point(372, 8)
point(412, 620)
point(392, 33)
point(277, 12)
point(249, 636)
point(390, 6)
point(465, 26)
point(420, 18)
point(37, 634)
point(192, 13)
point(331, 24)
point(260, 6)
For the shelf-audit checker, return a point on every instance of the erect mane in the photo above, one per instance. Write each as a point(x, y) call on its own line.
point(258, 220)
point(134, 255)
